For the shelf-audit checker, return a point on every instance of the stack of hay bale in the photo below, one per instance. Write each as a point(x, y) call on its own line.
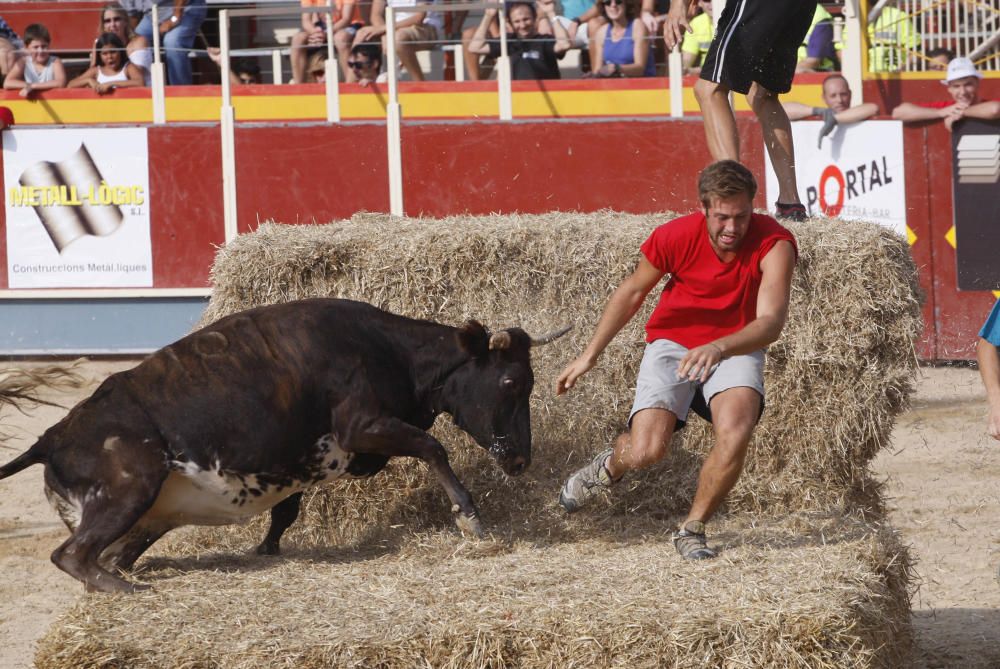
point(376, 576)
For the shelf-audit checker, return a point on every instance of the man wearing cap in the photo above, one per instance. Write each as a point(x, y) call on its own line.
point(962, 80)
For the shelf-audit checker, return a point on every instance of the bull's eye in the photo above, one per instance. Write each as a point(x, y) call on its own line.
point(508, 384)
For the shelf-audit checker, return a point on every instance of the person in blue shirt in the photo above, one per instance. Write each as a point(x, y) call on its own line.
point(988, 355)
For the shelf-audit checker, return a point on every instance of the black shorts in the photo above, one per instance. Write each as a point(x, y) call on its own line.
point(758, 40)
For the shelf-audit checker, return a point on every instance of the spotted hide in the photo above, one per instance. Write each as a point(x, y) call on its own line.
point(243, 415)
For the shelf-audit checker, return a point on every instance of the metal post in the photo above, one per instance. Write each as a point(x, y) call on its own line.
point(503, 73)
point(332, 78)
point(852, 63)
point(227, 124)
point(675, 72)
point(277, 76)
point(392, 118)
point(158, 77)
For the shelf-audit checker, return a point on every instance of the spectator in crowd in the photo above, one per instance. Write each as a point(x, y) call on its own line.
point(39, 70)
point(623, 49)
point(242, 71)
point(115, 19)
point(473, 69)
point(532, 55)
point(346, 24)
point(988, 355)
point(694, 48)
point(962, 80)
point(415, 31)
point(316, 68)
point(817, 53)
point(892, 37)
point(179, 24)
point(366, 63)
point(113, 69)
point(838, 109)
point(10, 46)
point(939, 57)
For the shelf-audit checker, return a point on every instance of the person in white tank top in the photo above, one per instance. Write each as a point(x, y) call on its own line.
point(39, 70)
point(114, 70)
point(114, 19)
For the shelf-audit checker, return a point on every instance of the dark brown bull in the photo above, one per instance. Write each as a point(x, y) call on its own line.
point(245, 414)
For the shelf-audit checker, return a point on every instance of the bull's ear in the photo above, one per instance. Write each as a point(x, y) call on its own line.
point(473, 339)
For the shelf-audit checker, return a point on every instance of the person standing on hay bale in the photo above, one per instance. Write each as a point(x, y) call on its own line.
point(988, 355)
point(754, 52)
point(726, 300)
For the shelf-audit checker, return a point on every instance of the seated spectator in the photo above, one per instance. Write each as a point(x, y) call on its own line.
point(179, 24)
point(10, 47)
point(472, 65)
point(962, 80)
point(581, 19)
point(113, 71)
point(39, 70)
point(366, 63)
point(415, 31)
point(817, 53)
point(532, 55)
point(115, 19)
point(346, 24)
point(939, 57)
point(838, 109)
point(694, 48)
point(622, 47)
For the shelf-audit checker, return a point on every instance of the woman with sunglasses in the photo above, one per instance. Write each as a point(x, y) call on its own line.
point(114, 19)
point(622, 45)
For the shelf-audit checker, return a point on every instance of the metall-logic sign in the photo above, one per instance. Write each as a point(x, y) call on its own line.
point(975, 147)
point(855, 173)
point(77, 205)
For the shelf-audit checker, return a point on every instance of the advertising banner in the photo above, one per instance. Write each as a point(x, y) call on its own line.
point(975, 149)
point(77, 205)
point(856, 172)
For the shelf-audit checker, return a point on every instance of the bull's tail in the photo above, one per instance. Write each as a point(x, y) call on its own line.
point(19, 388)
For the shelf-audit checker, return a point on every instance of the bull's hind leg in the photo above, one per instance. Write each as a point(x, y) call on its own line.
point(129, 548)
point(283, 514)
point(110, 507)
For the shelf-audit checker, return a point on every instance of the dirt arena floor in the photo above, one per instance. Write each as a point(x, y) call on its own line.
point(943, 477)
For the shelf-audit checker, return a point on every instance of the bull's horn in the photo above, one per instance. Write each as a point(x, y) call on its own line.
point(551, 336)
point(500, 341)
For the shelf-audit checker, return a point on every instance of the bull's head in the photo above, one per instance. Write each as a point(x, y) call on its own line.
point(489, 395)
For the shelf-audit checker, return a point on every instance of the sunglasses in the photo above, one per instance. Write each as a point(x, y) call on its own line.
point(114, 19)
point(608, 3)
point(358, 64)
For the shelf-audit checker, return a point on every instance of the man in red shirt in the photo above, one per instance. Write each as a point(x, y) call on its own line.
point(962, 81)
point(726, 300)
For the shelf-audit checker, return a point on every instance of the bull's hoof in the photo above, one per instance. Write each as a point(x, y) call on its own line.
point(268, 549)
point(469, 525)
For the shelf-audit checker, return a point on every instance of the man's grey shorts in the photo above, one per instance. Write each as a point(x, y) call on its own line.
point(658, 386)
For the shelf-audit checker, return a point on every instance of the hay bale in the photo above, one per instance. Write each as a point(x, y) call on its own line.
point(808, 592)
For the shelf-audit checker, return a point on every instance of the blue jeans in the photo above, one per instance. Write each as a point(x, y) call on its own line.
point(178, 40)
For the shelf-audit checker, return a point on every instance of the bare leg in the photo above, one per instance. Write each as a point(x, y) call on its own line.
point(471, 59)
point(299, 56)
point(734, 415)
point(408, 56)
point(777, 131)
point(342, 44)
point(720, 121)
point(645, 444)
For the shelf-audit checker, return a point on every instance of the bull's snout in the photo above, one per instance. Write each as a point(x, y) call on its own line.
point(517, 465)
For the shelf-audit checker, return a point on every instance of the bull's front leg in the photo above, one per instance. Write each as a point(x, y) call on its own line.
point(392, 437)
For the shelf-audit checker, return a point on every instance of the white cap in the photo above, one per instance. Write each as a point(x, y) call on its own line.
point(960, 68)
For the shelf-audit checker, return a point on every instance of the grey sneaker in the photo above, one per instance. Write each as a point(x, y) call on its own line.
point(586, 483)
point(690, 541)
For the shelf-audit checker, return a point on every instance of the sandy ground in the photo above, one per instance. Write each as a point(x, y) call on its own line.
point(943, 476)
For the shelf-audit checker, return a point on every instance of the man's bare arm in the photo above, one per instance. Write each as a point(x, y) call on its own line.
point(619, 310)
point(911, 112)
point(989, 368)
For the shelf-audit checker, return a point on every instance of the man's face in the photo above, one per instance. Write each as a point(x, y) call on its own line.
point(964, 90)
point(837, 94)
point(939, 62)
point(522, 21)
point(363, 66)
point(728, 220)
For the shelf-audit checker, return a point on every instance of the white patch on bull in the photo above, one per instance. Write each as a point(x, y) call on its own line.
point(69, 510)
point(111, 443)
point(191, 495)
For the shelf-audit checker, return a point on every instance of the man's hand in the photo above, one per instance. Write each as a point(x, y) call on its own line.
point(649, 20)
point(366, 34)
point(699, 363)
point(573, 371)
point(956, 112)
point(993, 423)
point(316, 36)
point(676, 24)
point(167, 25)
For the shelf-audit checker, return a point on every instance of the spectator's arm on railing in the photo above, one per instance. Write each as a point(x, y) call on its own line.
point(909, 112)
point(15, 79)
point(987, 111)
point(796, 111)
point(478, 44)
point(563, 41)
point(861, 112)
